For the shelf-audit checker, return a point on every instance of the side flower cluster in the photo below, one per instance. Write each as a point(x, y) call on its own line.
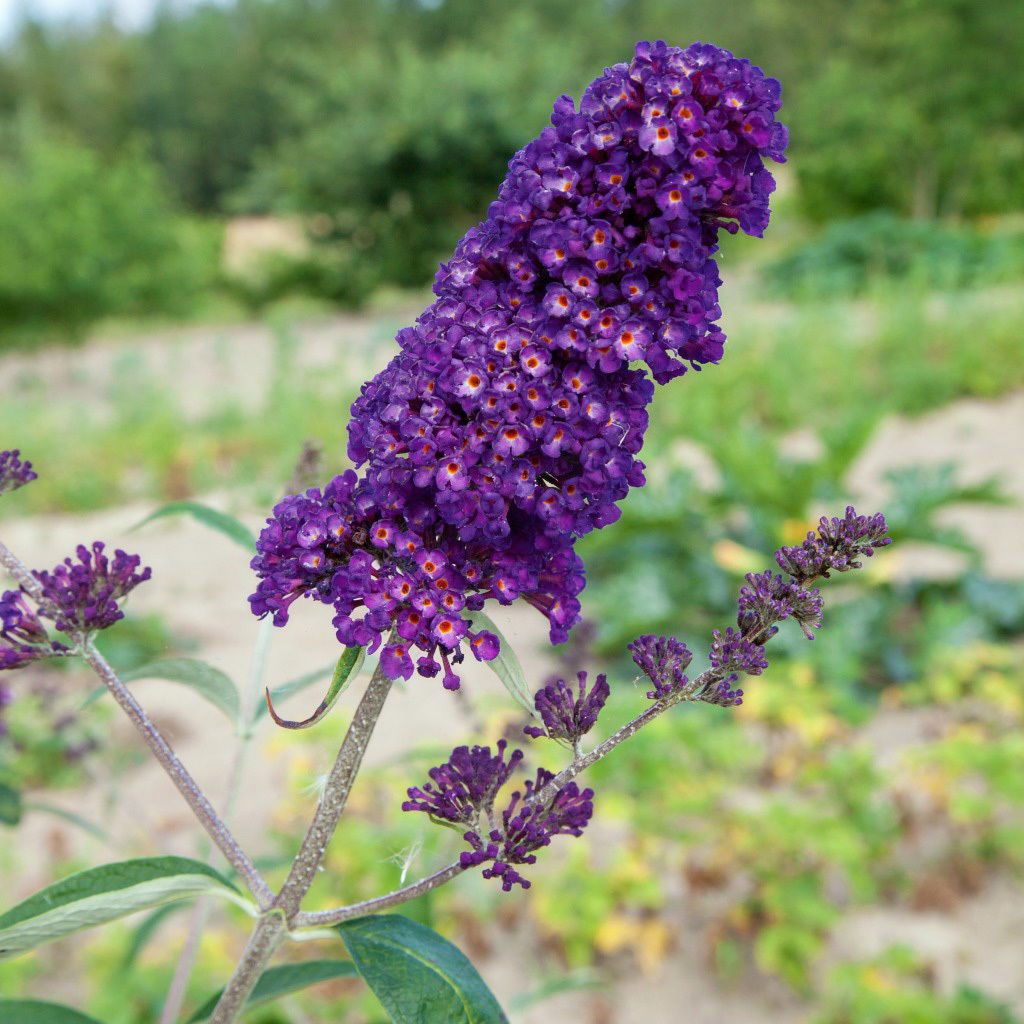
point(78, 596)
point(14, 473)
point(510, 422)
point(463, 793)
point(567, 715)
point(765, 600)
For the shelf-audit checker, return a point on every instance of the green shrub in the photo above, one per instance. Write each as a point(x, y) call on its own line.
point(850, 256)
point(81, 240)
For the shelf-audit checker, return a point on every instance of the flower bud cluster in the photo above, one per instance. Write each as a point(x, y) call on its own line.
point(510, 422)
point(664, 660)
point(14, 473)
point(567, 715)
point(78, 597)
point(463, 792)
point(22, 634)
point(765, 600)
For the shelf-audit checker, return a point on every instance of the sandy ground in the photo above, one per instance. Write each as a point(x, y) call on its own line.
point(199, 585)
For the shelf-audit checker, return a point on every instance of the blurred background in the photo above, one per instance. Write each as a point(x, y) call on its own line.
point(213, 219)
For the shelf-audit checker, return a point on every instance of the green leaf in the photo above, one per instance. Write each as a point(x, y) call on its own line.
point(69, 816)
point(279, 981)
point(345, 671)
point(204, 679)
point(104, 894)
point(293, 686)
point(223, 523)
point(11, 806)
point(506, 665)
point(418, 976)
point(35, 1011)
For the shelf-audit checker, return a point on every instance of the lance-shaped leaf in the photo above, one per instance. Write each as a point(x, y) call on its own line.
point(209, 682)
point(35, 1011)
point(345, 671)
point(223, 523)
point(280, 981)
point(104, 894)
point(418, 976)
point(506, 665)
point(11, 806)
point(293, 686)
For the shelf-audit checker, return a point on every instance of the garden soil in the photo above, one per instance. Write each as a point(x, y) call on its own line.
point(199, 585)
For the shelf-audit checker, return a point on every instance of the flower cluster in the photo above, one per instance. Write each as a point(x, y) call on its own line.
point(81, 596)
point(836, 546)
point(22, 634)
point(14, 473)
point(510, 422)
point(528, 825)
point(463, 792)
point(465, 785)
point(765, 600)
point(567, 715)
point(664, 660)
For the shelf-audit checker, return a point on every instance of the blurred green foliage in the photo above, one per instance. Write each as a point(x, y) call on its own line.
point(387, 125)
point(878, 250)
point(84, 237)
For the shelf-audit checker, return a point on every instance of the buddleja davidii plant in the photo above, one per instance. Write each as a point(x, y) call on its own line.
point(508, 426)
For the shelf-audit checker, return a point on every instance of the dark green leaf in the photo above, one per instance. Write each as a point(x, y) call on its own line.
point(35, 1011)
point(11, 806)
point(211, 517)
point(209, 682)
point(506, 665)
point(279, 981)
point(345, 671)
point(418, 976)
point(103, 894)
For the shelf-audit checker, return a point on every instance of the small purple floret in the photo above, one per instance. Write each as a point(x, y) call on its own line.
point(14, 473)
point(569, 715)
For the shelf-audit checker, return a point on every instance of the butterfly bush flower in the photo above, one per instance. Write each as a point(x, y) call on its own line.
point(510, 422)
point(765, 600)
point(14, 472)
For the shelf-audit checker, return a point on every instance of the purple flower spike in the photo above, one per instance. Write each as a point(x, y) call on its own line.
point(733, 652)
point(81, 597)
point(567, 715)
point(664, 660)
point(836, 546)
point(511, 421)
point(465, 785)
point(14, 473)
